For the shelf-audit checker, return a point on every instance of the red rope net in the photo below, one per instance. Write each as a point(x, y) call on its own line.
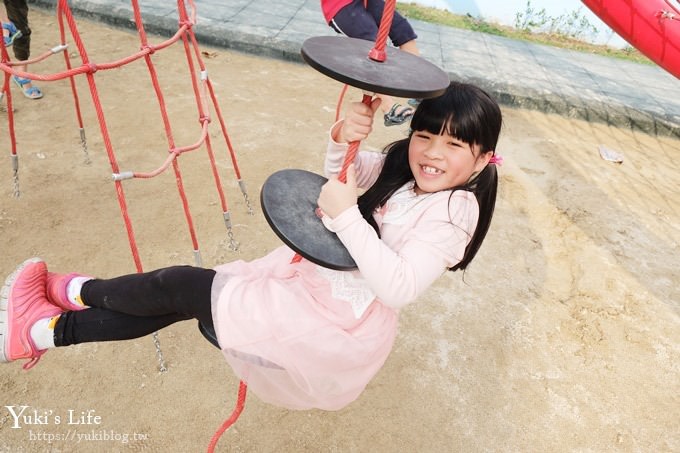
point(204, 96)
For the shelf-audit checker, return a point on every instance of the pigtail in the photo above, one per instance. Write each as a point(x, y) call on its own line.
point(484, 187)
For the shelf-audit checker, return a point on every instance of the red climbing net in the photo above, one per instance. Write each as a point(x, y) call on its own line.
point(204, 96)
point(203, 92)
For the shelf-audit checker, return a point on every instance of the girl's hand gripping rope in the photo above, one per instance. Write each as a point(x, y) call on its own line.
point(358, 122)
point(336, 197)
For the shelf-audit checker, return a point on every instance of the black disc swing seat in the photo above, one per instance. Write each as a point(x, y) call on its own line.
point(289, 197)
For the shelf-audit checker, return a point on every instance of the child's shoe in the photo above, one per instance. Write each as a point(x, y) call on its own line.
point(57, 291)
point(398, 115)
point(23, 302)
point(13, 33)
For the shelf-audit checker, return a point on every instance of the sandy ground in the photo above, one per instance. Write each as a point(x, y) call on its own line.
point(562, 336)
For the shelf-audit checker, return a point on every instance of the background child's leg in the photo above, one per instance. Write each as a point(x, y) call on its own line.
point(17, 12)
point(401, 31)
point(354, 21)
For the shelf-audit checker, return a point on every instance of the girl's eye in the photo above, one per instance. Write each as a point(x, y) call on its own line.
point(459, 144)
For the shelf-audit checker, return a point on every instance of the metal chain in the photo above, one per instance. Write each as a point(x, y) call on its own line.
point(83, 141)
point(15, 169)
point(242, 185)
point(159, 354)
point(248, 205)
point(16, 185)
point(233, 244)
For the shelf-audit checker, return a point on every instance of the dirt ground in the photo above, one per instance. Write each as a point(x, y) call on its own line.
point(562, 336)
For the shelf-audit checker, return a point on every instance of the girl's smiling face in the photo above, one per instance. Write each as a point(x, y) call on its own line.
point(441, 162)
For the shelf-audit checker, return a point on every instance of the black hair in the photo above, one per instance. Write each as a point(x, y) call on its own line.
point(467, 113)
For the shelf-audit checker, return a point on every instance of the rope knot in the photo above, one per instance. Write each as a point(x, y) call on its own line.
point(149, 49)
point(92, 68)
point(187, 22)
point(204, 119)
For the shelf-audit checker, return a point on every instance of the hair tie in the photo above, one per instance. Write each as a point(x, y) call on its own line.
point(496, 160)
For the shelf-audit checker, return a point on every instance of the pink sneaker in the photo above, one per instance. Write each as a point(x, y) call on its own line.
point(23, 301)
point(57, 285)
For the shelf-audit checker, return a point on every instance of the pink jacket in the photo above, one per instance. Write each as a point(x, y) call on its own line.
point(303, 336)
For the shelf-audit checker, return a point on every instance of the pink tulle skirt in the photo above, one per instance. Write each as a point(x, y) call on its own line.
point(295, 345)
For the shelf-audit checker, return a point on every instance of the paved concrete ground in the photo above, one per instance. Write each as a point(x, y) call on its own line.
point(574, 84)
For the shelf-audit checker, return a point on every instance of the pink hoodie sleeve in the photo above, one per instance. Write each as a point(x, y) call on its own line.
point(435, 242)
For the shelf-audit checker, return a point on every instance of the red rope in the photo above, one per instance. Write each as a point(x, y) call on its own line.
point(240, 403)
point(67, 62)
point(4, 59)
point(89, 67)
point(64, 9)
point(378, 52)
point(189, 41)
point(10, 114)
point(353, 147)
point(338, 107)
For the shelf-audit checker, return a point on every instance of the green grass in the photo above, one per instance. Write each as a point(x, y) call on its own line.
point(442, 17)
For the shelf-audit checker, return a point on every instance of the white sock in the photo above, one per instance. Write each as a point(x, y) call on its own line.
point(73, 290)
point(42, 332)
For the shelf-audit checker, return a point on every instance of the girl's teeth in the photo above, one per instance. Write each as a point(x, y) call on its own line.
point(431, 170)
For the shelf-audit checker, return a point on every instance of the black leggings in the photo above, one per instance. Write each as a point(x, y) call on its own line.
point(136, 305)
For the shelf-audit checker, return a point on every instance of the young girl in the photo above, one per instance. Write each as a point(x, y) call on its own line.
point(300, 335)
